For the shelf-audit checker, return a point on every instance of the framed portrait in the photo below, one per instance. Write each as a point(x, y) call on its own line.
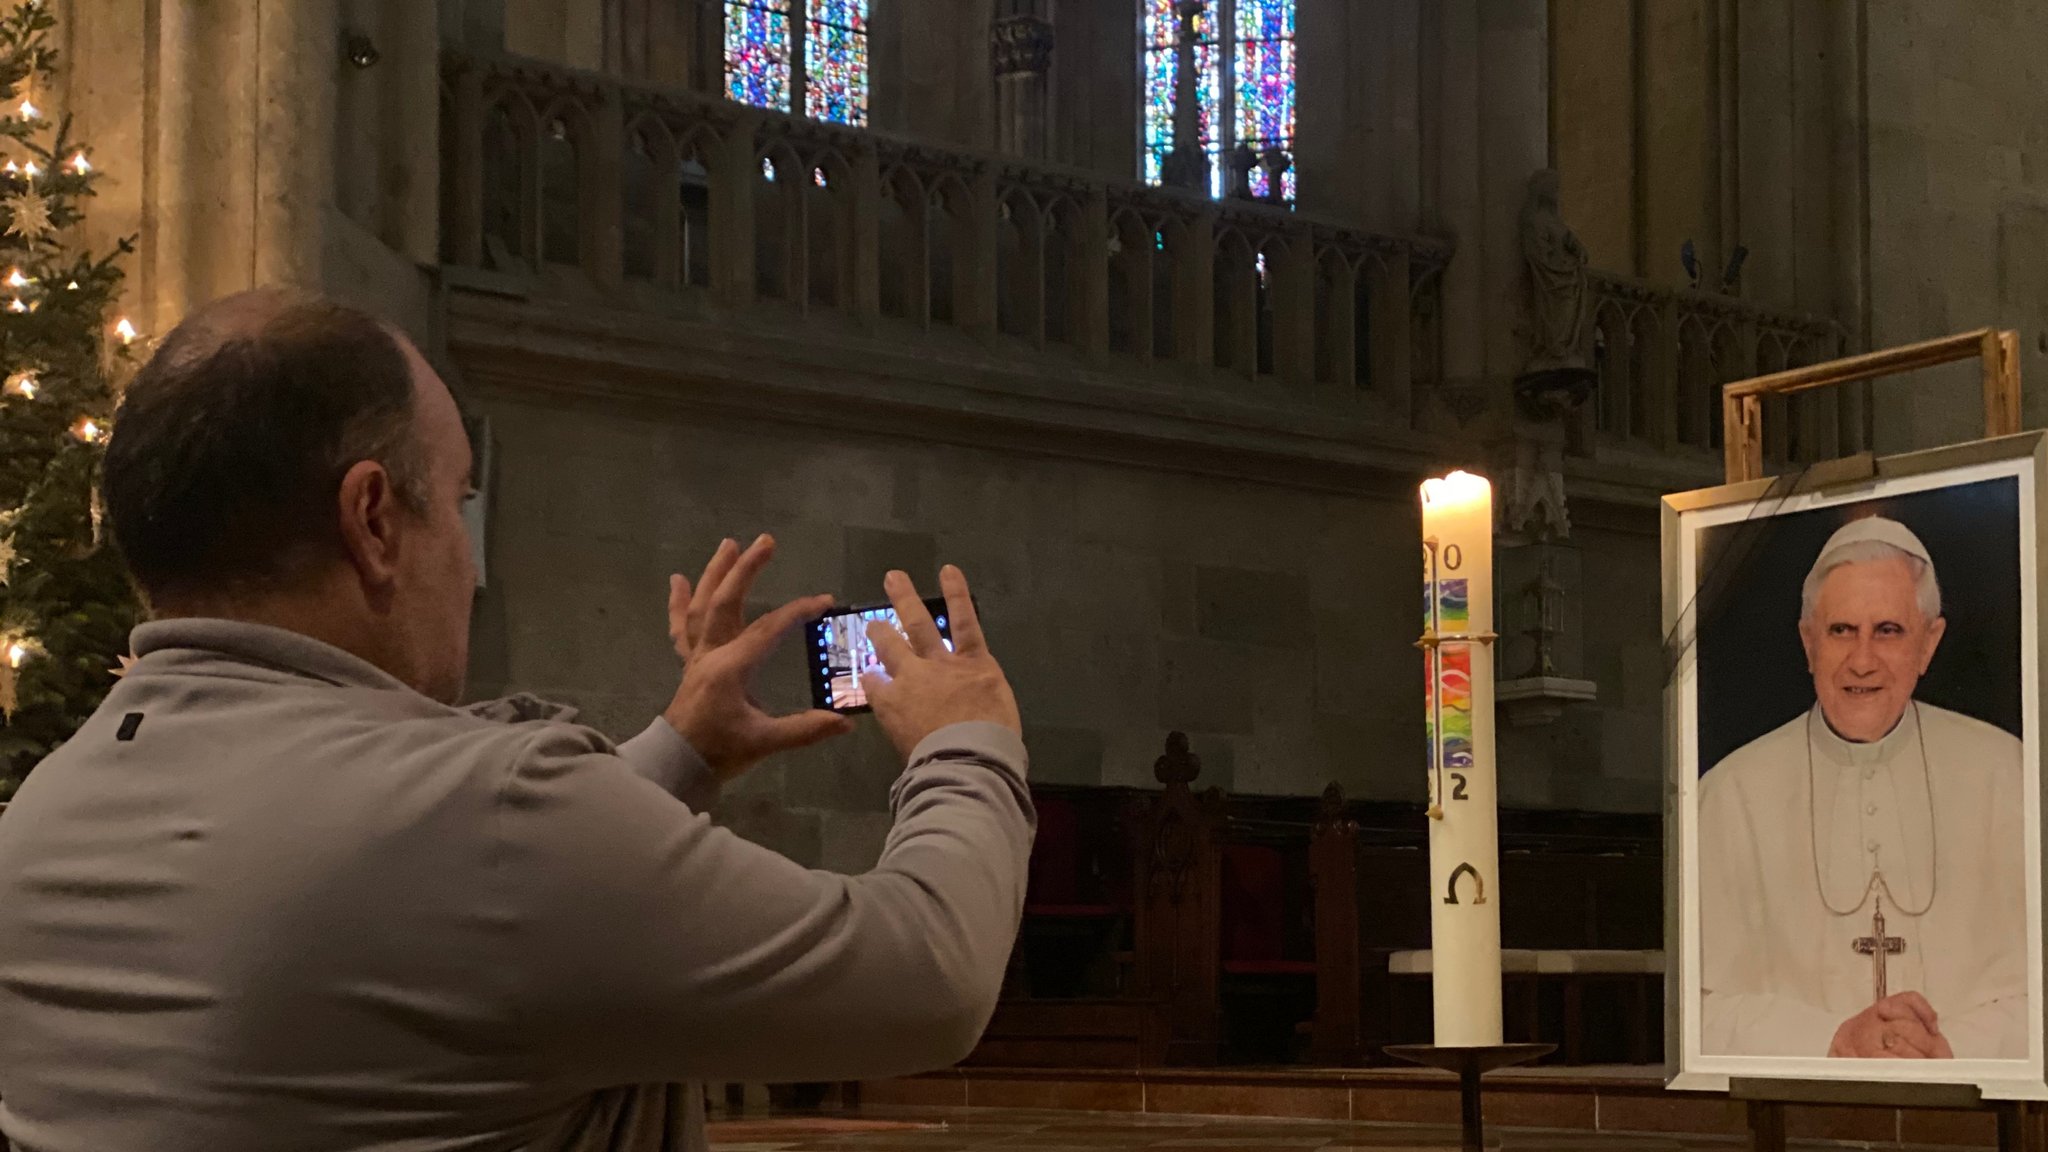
point(1853, 739)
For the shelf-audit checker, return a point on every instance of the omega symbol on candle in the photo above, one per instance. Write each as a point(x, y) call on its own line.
point(1478, 885)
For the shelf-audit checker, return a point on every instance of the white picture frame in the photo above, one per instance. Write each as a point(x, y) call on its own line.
point(2021, 459)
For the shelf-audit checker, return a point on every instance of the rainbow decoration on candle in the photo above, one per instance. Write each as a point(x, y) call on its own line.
point(1447, 691)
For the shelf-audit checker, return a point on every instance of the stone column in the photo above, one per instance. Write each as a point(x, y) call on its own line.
point(974, 259)
point(478, 25)
point(1491, 132)
point(1294, 311)
point(1455, 206)
point(603, 207)
point(1193, 253)
point(1514, 142)
point(867, 235)
point(1023, 63)
point(706, 46)
point(735, 172)
point(1390, 334)
point(242, 162)
point(465, 173)
point(1090, 303)
point(409, 208)
point(106, 64)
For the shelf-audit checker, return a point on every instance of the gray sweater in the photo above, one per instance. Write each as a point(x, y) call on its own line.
point(269, 898)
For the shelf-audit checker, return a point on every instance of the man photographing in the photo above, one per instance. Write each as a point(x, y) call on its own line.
point(279, 892)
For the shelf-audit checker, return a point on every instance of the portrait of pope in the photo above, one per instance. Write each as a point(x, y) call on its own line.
point(1861, 878)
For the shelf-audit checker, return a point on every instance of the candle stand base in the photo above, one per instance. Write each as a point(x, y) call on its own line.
point(1470, 1064)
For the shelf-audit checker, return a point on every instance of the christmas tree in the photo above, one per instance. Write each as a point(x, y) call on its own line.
point(66, 604)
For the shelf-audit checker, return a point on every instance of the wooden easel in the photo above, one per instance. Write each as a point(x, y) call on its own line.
point(1742, 402)
point(2020, 1123)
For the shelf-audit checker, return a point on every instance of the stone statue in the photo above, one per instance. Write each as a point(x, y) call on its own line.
point(1557, 280)
point(1534, 505)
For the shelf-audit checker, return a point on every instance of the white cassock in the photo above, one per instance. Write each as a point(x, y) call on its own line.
point(1779, 970)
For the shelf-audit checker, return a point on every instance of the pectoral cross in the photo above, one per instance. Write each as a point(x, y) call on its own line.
point(1877, 946)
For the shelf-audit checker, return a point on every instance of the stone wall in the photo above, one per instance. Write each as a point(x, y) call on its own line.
point(1958, 229)
point(1606, 757)
point(1275, 625)
point(1721, 122)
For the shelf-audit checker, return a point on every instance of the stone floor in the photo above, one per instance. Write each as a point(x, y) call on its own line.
point(899, 1129)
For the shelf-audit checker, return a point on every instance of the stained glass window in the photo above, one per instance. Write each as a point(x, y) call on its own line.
point(1265, 84)
point(757, 52)
point(836, 61)
point(1253, 107)
point(1162, 64)
point(809, 56)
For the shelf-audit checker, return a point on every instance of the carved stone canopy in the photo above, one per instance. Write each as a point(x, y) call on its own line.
point(1023, 46)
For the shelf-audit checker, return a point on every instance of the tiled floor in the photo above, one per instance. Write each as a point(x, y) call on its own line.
point(1003, 1130)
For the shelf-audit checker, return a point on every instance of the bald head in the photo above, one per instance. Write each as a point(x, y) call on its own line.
point(231, 443)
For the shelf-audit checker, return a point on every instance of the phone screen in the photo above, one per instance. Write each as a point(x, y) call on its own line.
point(840, 652)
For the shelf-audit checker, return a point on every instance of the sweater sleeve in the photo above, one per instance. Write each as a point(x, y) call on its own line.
point(656, 946)
point(662, 755)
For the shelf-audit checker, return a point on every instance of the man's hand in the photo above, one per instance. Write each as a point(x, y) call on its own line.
point(689, 615)
point(715, 709)
point(927, 687)
point(1901, 1027)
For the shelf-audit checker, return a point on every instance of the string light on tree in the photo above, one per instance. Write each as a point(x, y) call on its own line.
point(16, 654)
point(64, 598)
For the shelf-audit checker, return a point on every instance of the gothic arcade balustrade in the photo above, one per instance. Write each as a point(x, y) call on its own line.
point(1663, 354)
point(581, 180)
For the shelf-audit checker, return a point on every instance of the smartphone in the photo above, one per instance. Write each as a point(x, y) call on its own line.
point(839, 652)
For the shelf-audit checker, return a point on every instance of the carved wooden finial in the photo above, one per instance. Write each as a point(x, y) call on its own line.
point(1331, 807)
point(1179, 765)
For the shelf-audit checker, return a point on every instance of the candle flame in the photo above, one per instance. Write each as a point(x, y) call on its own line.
point(16, 280)
point(31, 169)
point(125, 331)
point(1457, 488)
point(23, 384)
point(16, 653)
point(87, 430)
point(79, 164)
point(28, 111)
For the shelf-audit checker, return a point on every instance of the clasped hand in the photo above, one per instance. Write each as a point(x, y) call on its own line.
point(1901, 1027)
point(926, 687)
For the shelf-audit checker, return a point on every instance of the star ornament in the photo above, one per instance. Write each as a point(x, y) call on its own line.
point(28, 215)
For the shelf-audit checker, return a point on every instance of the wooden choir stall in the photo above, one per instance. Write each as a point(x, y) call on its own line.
point(1176, 927)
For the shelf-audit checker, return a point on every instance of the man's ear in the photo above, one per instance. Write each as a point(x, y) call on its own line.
point(372, 524)
point(1807, 640)
point(1935, 632)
